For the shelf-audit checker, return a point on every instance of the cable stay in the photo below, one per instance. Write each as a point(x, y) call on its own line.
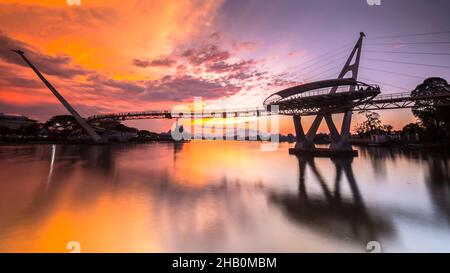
point(392, 72)
point(410, 63)
point(409, 52)
point(409, 43)
point(387, 84)
point(409, 35)
point(315, 59)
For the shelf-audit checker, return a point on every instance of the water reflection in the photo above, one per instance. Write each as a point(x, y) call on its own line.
point(436, 168)
point(345, 218)
point(220, 196)
point(438, 182)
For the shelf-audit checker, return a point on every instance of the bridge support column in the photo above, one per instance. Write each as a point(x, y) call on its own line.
point(339, 141)
point(342, 143)
point(301, 140)
point(306, 141)
point(334, 134)
point(299, 133)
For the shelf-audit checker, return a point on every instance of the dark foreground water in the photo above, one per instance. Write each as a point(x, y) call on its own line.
point(220, 196)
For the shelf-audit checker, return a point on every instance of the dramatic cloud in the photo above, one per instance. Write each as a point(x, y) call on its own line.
point(9, 78)
point(106, 35)
point(208, 71)
point(187, 87)
point(225, 67)
point(47, 20)
point(59, 65)
point(124, 87)
point(205, 55)
point(161, 61)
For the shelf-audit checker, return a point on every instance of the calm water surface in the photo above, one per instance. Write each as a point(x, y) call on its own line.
point(208, 196)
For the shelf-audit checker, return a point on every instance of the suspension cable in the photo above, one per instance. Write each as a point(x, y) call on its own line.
point(411, 63)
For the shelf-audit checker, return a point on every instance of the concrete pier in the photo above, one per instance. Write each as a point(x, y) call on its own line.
point(323, 152)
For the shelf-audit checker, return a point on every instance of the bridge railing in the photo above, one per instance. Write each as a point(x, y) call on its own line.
point(326, 91)
point(401, 95)
point(129, 114)
point(407, 96)
point(201, 112)
point(257, 110)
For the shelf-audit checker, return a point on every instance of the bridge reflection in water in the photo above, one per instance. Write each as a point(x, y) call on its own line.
point(220, 196)
point(346, 218)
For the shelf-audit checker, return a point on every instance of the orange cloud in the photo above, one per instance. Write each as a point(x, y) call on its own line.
point(106, 35)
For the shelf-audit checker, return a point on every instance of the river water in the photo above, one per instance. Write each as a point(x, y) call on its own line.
point(220, 196)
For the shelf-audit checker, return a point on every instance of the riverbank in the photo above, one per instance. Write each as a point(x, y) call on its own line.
point(402, 145)
point(87, 142)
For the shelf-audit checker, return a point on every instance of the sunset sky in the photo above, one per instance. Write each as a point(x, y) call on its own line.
point(116, 56)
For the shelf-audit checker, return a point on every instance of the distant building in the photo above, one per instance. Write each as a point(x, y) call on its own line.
point(15, 122)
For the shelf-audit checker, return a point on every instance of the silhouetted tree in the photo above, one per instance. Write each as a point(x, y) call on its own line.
point(387, 128)
point(433, 114)
point(372, 125)
point(412, 128)
point(62, 125)
point(147, 134)
point(31, 130)
point(124, 128)
point(6, 131)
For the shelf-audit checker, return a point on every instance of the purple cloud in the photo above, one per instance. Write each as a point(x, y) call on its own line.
point(225, 67)
point(161, 61)
point(206, 54)
point(186, 87)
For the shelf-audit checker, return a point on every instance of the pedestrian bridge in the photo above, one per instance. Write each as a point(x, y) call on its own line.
point(379, 102)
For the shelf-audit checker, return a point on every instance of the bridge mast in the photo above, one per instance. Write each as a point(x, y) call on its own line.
point(61, 99)
point(339, 139)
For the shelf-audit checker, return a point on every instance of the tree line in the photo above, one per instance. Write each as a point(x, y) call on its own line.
point(433, 115)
